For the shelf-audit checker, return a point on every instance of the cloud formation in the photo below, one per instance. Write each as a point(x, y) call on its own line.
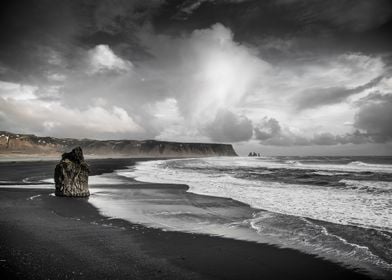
point(357, 16)
point(22, 108)
point(229, 127)
point(270, 132)
point(374, 117)
point(277, 72)
point(102, 59)
point(316, 97)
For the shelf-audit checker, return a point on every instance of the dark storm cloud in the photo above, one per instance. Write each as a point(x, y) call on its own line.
point(33, 32)
point(37, 33)
point(187, 7)
point(351, 15)
point(170, 69)
point(374, 117)
point(268, 129)
point(29, 31)
point(229, 127)
point(372, 124)
point(338, 24)
point(270, 132)
point(316, 97)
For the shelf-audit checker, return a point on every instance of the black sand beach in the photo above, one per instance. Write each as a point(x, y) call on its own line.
point(47, 237)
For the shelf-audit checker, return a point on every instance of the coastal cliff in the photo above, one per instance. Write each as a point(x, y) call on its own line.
point(12, 144)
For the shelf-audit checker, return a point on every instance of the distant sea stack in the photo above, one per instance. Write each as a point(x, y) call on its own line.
point(71, 175)
point(14, 145)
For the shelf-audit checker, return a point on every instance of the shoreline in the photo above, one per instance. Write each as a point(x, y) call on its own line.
point(43, 236)
point(57, 157)
point(27, 215)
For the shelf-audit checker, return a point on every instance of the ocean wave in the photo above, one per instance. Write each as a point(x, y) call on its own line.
point(28, 186)
point(347, 206)
point(326, 173)
point(293, 162)
point(355, 166)
point(305, 235)
point(360, 163)
point(369, 186)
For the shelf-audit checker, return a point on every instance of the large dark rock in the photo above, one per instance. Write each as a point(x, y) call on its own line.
point(71, 175)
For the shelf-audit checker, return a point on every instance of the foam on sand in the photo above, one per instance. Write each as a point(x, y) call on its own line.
point(358, 204)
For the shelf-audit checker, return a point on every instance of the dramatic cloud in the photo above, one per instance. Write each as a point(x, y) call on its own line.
point(268, 129)
point(103, 59)
point(374, 117)
point(189, 6)
point(199, 71)
point(229, 127)
point(354, 15)
point(21, 107)
point(204, 72)
point(270, 132)
point(312, 98)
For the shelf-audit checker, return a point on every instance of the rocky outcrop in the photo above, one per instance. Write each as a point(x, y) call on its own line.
point(71, 175)
point(26, 144)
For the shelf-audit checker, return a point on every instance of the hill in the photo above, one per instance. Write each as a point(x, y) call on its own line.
point(12, 144)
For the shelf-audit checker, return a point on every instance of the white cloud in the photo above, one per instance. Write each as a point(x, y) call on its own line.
point(20, 107)
point(103, 59)
point(188, 80)
point(206, 71)
point(56, 77)
point(186, 84)
point(13, 91)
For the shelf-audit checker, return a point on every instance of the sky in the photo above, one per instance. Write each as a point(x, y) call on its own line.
point(282, 77)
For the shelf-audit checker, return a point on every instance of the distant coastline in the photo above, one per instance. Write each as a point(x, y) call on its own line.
point(16, 146)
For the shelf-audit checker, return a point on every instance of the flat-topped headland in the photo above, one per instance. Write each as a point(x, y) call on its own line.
point(14, 145)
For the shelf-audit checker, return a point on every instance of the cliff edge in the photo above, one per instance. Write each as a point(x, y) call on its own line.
point(12, 144)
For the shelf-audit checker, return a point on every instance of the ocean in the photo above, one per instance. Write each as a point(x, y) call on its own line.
point(338, 208)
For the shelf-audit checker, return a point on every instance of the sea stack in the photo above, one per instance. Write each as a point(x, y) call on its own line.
point(71, 175)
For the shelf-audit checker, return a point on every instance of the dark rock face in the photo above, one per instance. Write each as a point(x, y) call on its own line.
point(11, 144)
point(71, 175)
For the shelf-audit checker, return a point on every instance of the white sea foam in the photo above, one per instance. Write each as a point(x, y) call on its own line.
point(305, 235)
point(31, 186)
point(270, 163)
point(326, 173)
point(345, 205)
point(355, 166)
point(34, 197)
point(371, 186)
point(360, 163)
point(48, 180)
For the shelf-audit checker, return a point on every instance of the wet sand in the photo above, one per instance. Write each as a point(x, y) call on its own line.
point(47, 237)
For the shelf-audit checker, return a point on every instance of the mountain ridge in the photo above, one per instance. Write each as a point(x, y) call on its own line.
point(30, 144)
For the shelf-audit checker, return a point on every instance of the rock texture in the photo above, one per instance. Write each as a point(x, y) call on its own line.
point(71, 175)
point(26, 144)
